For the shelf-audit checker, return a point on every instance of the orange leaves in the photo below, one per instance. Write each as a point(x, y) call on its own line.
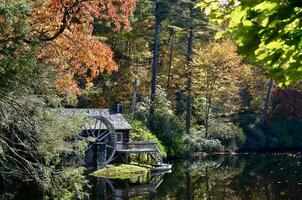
point(67, 84)
point(66, 26)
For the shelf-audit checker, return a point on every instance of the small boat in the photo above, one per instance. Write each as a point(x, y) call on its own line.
point(161, 167)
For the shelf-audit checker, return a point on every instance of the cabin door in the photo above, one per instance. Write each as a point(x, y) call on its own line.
point(119, 140)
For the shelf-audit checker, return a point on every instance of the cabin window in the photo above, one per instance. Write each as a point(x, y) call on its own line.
point(119, 137)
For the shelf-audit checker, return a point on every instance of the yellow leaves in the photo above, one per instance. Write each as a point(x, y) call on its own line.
point(292, 26)
point(275, 44)
point(266, 6)
point(237, 16)
point(247, 23)
point(218, 35)
point(220, 74)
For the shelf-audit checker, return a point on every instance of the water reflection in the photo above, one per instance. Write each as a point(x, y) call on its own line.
point(246, 177)
point(145, 186)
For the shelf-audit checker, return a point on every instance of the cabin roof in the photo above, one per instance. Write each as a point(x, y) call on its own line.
point(117, 119)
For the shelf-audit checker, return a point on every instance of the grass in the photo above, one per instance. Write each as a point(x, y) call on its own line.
point(122, 171)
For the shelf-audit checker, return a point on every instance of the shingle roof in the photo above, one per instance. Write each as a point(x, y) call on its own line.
point(117, 119)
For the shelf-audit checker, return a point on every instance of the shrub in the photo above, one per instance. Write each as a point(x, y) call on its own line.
point(169, 129)
point(196, 143)
point(140, 132)
point(281, 132)
point(164, 124)
point(142, 111)
point(255, 137)
point(230, 135)
point(277, 135)
point(244, 120)
point(294, 128)
point(251, 126)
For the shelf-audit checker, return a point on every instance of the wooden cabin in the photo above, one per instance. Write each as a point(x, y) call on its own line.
point(111, 133)
point(114, 115)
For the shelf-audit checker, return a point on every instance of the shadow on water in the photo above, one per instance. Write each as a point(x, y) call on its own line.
point(234, 177)
point(138, 187)
point(246, 177)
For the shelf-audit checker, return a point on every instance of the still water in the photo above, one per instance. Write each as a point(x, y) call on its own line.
point(235, 177)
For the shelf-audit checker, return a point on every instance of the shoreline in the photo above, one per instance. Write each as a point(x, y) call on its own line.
point(230, 153)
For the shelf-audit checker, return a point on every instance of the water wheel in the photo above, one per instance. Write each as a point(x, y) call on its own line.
point(101, 137)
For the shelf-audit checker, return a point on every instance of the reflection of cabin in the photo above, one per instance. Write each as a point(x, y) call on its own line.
point(111, 131)
point(126, 189)
point(136, 191)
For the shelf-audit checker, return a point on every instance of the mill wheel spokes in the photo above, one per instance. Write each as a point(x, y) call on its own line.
point(99, 131)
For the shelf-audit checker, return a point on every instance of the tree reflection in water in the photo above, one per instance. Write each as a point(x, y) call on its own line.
point(241, 177)
point(246, 177)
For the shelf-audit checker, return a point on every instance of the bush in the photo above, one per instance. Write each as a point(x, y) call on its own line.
point(251, 126)
point(169, 129)
point(230, 135)
point(255, 137)
point(140, 132)
point(196, 143)
point(69, 184)
point(244, 120)
point(294, 128)
point(281, 133)
point(142, 111)
point(277, 136)
point(164, 124)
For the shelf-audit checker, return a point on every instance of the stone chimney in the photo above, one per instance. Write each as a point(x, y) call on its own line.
point(117, 108)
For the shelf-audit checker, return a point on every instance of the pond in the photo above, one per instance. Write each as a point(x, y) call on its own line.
point(234, 177)
point(228, 177)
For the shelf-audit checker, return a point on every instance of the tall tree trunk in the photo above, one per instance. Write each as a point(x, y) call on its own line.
point(267, 102)
point(155, 57)
point(208, 196)
point(128, 48)
point(189, 76)
point(134, 96)
point(207, 117)
point(266, 187)
point(170, 60)
point(189, 186)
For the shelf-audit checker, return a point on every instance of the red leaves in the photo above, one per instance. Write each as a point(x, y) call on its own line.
point(288, 102)
point(66, 26)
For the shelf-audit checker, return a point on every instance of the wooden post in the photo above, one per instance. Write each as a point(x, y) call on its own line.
point(89, 156)
point(100, 154)
point(126, 158)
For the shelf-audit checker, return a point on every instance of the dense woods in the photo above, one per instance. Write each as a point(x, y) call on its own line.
point(210, 76)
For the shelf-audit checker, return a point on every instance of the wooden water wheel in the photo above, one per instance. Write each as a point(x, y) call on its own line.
point(101, 137)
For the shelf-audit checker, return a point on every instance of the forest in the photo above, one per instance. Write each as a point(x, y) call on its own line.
point(195, 76)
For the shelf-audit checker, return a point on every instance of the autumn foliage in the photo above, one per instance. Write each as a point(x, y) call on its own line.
point(66, 29)
point(219, 74)
point(287, 102)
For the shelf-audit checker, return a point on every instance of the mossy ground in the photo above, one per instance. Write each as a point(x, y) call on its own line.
point(122, 171)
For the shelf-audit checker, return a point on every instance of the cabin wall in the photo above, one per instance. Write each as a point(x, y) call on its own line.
point(125, 135)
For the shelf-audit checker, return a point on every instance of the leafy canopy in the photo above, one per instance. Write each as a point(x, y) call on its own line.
point(63, 30)
point(267, 33)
